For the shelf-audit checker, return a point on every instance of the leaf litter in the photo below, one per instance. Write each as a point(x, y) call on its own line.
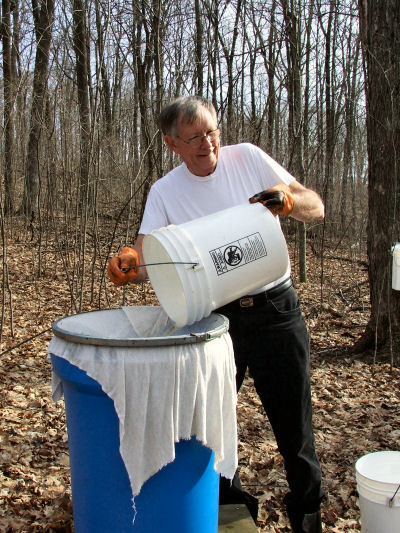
point(355, 400)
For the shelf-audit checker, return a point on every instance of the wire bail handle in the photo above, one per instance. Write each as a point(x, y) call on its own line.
point(193, 263)
point(391, 501)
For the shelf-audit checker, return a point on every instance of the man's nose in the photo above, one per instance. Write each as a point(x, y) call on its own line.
point(206, 139)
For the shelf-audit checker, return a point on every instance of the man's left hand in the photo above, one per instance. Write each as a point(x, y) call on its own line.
point(279, 199)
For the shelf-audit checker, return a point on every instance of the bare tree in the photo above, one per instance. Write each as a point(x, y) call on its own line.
point(379, 27)
point(43, 15)
point(229, 51)
point(199, 43)
point(146, 38)
point(8, 91)
point(347, 183)
point(213, 50)
point(291, 13)
point(80, 39)
point(278, 77)
point(329, 107)
point(101, 28)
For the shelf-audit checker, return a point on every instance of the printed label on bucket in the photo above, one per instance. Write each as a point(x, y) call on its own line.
point(238, 253)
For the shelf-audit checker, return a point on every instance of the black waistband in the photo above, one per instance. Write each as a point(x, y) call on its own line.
point(262, 297)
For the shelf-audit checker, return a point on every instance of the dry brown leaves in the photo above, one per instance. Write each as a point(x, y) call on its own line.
point(356, 403)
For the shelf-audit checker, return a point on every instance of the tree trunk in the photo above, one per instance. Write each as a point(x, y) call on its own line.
point(81, 68)
point(295, 123)
point(271, 113)
point(379, 26)
point(330, 116)
point(43, 16)
point(8, 85)
point(105, 82)
point(349, 118)
point(199, 48)
point(229, 54)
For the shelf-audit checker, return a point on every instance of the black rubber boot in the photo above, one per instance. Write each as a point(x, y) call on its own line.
point(305, 523)
point(232, 492)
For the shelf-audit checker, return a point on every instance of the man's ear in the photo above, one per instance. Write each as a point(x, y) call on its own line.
point(169, 141)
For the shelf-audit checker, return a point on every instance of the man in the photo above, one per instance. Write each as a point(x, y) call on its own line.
point(267, 328)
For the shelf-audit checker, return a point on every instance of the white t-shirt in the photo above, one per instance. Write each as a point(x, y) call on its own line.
point(242, 171)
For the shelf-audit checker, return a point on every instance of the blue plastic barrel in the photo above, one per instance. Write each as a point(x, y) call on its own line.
point(180, 498)
point(183, 496)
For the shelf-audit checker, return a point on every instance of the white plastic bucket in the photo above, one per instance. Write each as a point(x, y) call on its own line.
point(227, 255)
point(378, 485)
point(396, 267)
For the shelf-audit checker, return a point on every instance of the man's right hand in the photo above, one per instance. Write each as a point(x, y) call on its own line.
point(123, 268)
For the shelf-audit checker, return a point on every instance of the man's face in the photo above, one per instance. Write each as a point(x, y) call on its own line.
point(200, 160)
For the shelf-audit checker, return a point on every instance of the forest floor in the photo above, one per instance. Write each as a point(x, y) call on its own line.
point(355, 398)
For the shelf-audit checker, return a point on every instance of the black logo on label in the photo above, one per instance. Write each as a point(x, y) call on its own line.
point(233, 255)
point(238, 253)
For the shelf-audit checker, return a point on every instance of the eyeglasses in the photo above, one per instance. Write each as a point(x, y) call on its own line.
point(196, 142)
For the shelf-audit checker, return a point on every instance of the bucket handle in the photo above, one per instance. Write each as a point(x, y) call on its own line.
point(192, 264)
point(393, 497)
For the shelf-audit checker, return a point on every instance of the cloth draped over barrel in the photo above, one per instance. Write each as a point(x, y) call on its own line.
point(161, 394)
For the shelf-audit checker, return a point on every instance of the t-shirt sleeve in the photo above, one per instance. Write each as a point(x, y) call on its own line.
point(154, 215)
point(270, 171)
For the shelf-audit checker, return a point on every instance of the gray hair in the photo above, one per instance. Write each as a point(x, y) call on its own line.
point(185, 109)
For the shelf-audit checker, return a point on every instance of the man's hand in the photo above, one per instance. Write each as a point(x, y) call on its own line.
point(123, 268)
point(278, 199)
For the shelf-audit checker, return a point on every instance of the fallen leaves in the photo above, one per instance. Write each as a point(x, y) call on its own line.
point(356, 404)
point(355, 412)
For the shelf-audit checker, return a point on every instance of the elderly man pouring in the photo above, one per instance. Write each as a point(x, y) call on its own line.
point(270, 337)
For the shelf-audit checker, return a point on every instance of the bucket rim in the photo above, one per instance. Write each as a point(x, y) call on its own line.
point(361, 461)
point(376, 453)
point(219, 326)
point(178, 245)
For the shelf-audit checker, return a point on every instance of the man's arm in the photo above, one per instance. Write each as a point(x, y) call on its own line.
point(291, 200)
point(307, 203)
point(138, 246)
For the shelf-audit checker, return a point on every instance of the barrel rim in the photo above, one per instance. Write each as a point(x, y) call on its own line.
point(221, 326)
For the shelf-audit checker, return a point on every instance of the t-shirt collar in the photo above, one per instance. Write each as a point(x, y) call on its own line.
point(203, 179)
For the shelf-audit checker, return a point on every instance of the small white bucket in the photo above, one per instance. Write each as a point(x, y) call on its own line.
point(396, 267)
point(378, 485)
point(227, 255)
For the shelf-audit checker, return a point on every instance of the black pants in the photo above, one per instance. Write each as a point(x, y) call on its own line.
point(270, 338)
